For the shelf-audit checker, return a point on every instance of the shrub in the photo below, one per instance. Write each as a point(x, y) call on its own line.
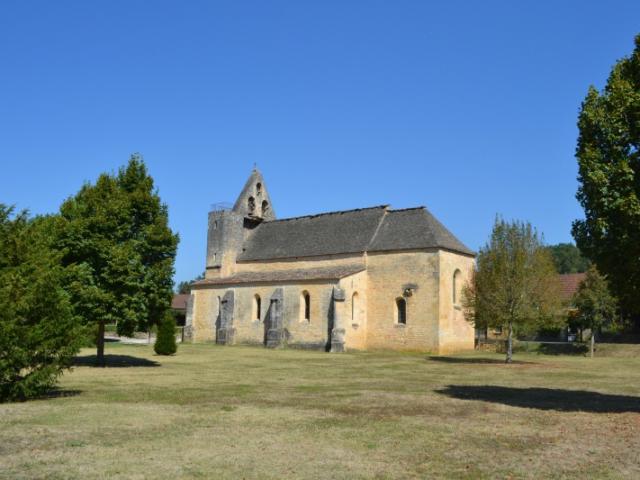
point(166, 339)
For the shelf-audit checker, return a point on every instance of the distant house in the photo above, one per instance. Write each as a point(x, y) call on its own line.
point(569, 283)
point(179, 307)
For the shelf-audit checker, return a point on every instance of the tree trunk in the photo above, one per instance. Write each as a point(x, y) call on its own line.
point(100, 344)
point(593, 342)
point(509, 345)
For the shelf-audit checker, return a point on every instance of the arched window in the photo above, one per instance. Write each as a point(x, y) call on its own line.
point(257, 306)
point(457, 280)
point(354, 307)
point(401, 311)
point(265, 207)
point(251, 204)
point(305, 306)
point(258, 188)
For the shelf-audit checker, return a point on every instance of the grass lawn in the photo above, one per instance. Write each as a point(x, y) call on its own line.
point(243, 412)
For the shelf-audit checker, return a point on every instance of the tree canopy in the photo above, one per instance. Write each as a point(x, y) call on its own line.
point(515, 285)
point(568, 259)
point(120, 251)
point(608, 154)
point(185, 286)
point(39, 335)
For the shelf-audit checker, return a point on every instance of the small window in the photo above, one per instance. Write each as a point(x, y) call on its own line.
point(215, 225)
point(455, 291)
point(305, 306)
point(257, 307)
point(265, 207)
point(258, 188)
point(354, 307)
point(251, 204)
point(401, 311)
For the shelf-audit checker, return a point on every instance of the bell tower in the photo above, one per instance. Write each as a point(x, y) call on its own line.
point(254, 202)
point(228, 228)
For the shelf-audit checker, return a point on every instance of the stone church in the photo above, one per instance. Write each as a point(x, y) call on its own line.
point(371, 278)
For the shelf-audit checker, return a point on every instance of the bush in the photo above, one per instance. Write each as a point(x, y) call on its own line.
point(166, 339)
point(39, 335)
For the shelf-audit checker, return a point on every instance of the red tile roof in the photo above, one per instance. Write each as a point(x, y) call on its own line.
point(569, 283)
point(179, 301)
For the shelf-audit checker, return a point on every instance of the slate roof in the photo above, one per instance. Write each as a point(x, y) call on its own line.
point(351, 231)
point(414, 228)
point(326, 273)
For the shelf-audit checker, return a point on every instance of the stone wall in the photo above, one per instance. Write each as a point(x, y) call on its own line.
point(455, 332)
point(410, 275)
point(424, 279)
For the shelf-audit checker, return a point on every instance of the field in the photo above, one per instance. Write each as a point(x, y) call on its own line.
point(242, 412)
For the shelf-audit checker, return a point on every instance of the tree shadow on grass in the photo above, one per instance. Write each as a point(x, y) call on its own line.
point(57, 392)
point(476, 360)
point(545, 398)
point(114, 361)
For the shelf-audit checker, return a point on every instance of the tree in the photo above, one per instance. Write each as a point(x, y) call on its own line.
point(594, 303)
point(119, 251)
point(608, 154)
point(39, 334)
point(515, 285)
point(568, 259)
point(166, 339)
point(185, 287)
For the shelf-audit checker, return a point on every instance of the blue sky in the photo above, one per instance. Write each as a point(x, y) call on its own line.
point(468, 108)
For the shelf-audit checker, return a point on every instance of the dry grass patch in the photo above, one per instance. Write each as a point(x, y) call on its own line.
point(239, 412)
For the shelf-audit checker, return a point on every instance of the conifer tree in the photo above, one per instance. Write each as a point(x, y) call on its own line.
point(39, 334)
point(166, 339)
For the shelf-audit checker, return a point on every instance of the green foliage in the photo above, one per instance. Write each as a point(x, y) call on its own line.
point(568, 259)
point(608, 154)
point(39, 334)
point(119, 251)
point(185, 287)
point(515, 285)
point(594, 303)
point(166, 339)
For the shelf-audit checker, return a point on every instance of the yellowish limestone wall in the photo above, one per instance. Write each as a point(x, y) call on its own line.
point(456, 334)
point(312, 333)
point(389, 274)
point(434, 323)
point(354, 313)
point(205, 308)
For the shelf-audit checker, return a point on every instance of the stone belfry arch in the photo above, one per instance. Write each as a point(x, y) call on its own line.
point(254, 201)
point(228, 228)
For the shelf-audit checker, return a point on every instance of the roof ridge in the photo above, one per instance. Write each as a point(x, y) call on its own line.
point(336, 212)
point(420, 207)
point(375, 233)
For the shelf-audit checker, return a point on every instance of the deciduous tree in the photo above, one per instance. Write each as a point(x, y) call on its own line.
point(595, 304)
point(608, 154)
point(119, 250)
point(515, 285)
point(568, 259)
